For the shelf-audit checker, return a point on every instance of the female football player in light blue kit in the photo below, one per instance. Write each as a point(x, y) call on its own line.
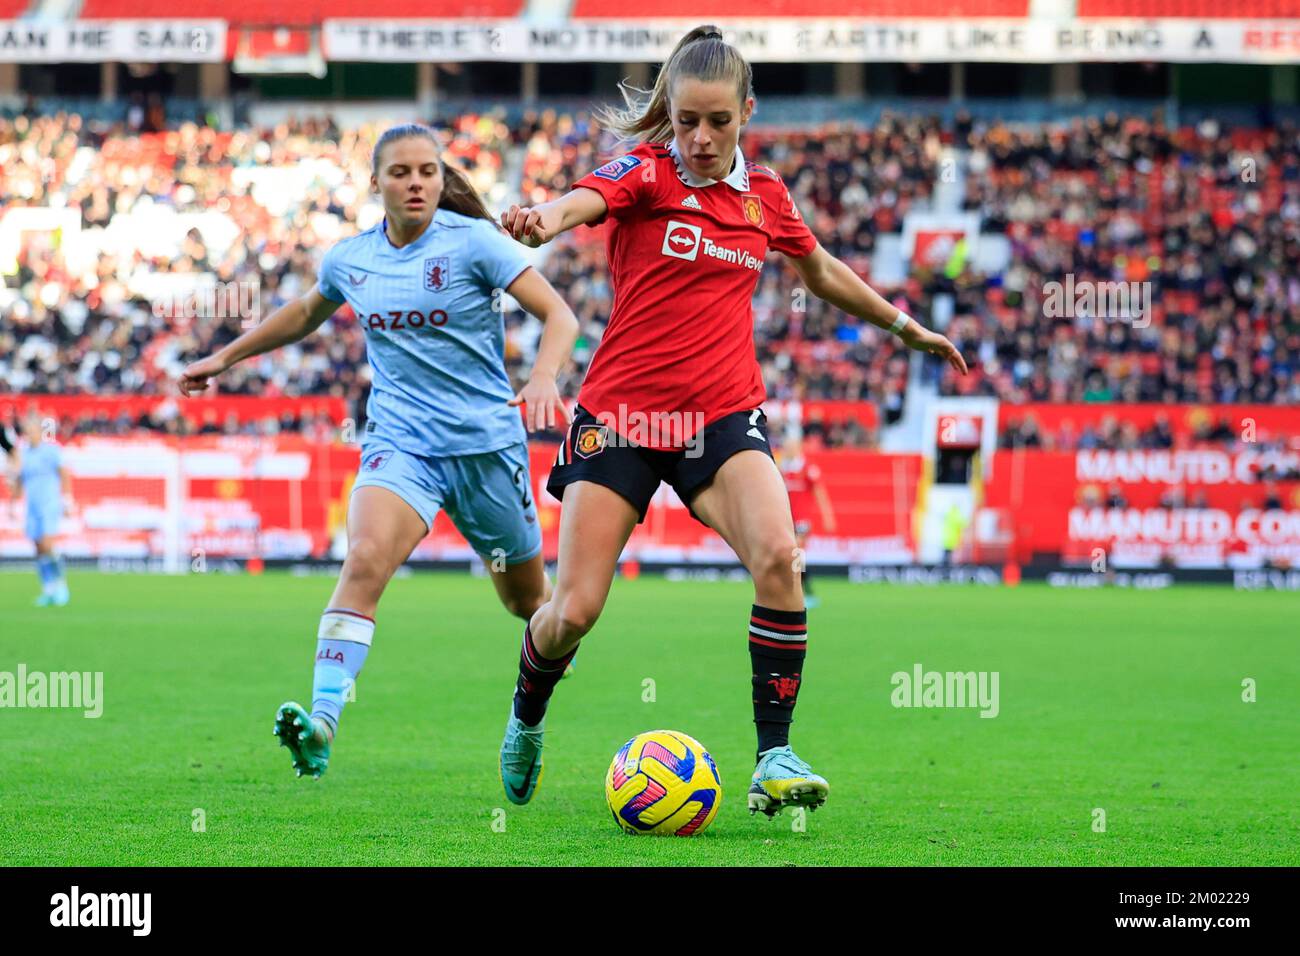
point(44, 483)
point(444, 429)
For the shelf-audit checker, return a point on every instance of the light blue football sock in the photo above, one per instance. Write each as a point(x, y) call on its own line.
point(342, 643)
point(45, 570)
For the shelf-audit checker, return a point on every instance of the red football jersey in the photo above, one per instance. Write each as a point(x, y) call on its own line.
point(684, 257)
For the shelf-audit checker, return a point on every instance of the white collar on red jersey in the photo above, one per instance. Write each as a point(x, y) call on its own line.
point(738, 179)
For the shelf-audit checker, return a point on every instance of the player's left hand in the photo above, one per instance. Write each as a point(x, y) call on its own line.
point(917, 336)
point(543, 406)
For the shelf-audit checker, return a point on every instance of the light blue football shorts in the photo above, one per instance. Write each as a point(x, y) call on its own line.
point(43, 517)
point(488, 497)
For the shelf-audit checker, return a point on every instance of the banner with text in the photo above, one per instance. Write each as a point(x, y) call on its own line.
point(1201, 508)
point(107, 41)
point(833, 41)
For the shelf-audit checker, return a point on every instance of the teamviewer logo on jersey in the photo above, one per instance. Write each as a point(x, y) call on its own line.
point(682, 240)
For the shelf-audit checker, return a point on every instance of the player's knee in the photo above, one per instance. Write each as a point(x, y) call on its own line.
point(367, 560)
point(776, 561)
point(577, 614)
point(524, 606)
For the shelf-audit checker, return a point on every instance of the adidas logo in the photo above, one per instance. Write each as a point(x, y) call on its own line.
point(690, 202)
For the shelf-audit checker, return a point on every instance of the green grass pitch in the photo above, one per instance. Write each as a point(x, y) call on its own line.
point(1126, 701)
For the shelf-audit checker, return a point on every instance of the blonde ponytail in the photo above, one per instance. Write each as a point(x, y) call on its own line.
point(703, 55)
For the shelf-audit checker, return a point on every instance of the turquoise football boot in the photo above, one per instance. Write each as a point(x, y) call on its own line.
point(521, 760)
point(61, 595)
point(781, 779)
point(307, 739)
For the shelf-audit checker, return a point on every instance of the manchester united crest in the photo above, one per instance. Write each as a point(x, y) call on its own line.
point(591, 440)
point(437, 273)
point(753, 209)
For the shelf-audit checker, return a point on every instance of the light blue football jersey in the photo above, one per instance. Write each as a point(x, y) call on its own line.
point(40, 473)
point(434, 340)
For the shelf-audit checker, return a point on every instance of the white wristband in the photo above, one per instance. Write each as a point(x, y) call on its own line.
point(900, 323)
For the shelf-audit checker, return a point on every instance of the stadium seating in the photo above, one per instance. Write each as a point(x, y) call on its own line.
point(1190, 8)
point(1171, 208)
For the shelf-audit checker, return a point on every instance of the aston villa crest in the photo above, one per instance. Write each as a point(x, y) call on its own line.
point(437, 273)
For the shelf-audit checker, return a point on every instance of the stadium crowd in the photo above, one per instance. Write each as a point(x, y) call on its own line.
point(1209, 216)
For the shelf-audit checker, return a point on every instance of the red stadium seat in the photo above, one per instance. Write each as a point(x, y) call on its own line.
point(855, 9)
point(312, 11)
point(1239, 9)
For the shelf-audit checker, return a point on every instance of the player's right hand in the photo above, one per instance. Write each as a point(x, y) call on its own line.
point(194, 378)
point(525, 224)
point(916, 336)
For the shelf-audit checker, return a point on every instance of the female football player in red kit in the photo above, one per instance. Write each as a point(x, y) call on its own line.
point(674, 390)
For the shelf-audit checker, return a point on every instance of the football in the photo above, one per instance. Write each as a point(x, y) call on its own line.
point(664, 783)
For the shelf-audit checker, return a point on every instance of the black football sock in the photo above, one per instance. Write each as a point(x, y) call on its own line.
point(778, 641)
point(807, 582)
point(538, 676)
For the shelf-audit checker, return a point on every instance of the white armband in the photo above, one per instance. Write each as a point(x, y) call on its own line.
point(900, 323)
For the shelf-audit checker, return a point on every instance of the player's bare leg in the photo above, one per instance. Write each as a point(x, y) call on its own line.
point(747, 504)
point(383, 530)
point(595, 524)
point(522, 587)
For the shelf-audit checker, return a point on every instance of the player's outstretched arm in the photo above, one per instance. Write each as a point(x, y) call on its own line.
point(534, 225)
point(540, 397)
point(830, 279)
point(292, 321)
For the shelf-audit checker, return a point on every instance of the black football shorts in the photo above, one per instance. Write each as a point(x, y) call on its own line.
point(594, 452)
